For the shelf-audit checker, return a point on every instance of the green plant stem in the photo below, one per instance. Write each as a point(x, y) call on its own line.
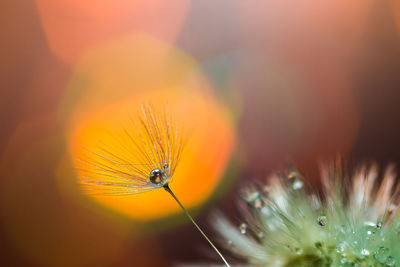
point(166, 187)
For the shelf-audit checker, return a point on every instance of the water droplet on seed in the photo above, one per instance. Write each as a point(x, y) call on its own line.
point(243, 228)
point(381, 254)
point(295, 180)
point(157, 177)
point(298, 250)
point(297, 185)
point(322, 220)
point(365, 252)
point(318, 245)
point(340, 248)
point(390, 261)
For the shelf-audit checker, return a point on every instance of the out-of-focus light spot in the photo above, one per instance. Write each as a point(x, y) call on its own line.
point(72, 26)
point(125, 67)
point(107, 89)
point(44, 228)
point(202, 163)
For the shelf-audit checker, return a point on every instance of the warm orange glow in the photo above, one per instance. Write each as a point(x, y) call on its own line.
point(396, 12)
point(106, 91)
point(203, 161)
point(125, 67)
point(72, 26)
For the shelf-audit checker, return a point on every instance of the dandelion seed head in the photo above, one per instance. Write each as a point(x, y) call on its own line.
point(354, 224)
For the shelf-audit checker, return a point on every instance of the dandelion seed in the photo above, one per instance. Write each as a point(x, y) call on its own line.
point(344, 229)
point(156, 146)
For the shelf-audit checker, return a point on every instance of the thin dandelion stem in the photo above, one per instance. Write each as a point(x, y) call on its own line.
point(166, 187)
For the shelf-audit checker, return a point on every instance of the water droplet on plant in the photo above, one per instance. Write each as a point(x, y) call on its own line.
point(255, 200)
point(229, 242)
point(158, 177)
point(379, 224)
point(243, 228)
point(381, 254)
point(251, 197)
point(298, 250)
point(370, 229)
point(365, 252)
point(318, 245)
point(295, 180)
point(297, 185)
point(322, 220)
point(390, 261)
point(340, 248)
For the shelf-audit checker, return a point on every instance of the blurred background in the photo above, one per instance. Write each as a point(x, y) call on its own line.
point(266, 83)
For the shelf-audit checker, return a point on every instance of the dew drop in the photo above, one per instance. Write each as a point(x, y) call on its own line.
point(370, 229)
point(158, 177)
point(251, 197)
point(298, 250)
point(229, 242)
point(261, 234)
point(381, 254)
point(243, 228)
point(318, 245)
point(295, 180)
point(390, 261)
point(379, 224)
point(297, 185)
point(365, 252)
point(166, 166)
point(255, 200)
point(322, 220)
point(340, 248)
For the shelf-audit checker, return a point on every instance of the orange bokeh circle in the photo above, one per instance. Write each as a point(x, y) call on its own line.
point(73, 27)
point(202, 163)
